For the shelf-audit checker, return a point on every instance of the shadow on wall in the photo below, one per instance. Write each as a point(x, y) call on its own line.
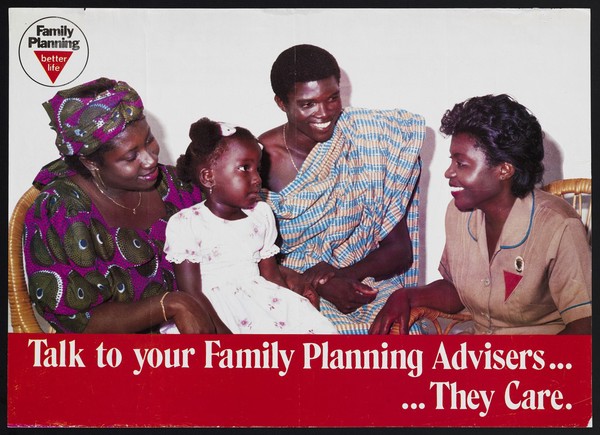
point(553, 161)
point(165, 156)
point(345, 88)
point(427, 152)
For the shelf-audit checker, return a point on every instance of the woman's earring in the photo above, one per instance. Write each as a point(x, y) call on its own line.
point(97, 178)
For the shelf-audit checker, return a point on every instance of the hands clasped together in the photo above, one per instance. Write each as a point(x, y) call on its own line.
point(325, 281)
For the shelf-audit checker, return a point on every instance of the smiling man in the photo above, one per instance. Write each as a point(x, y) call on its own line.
point(342, 183)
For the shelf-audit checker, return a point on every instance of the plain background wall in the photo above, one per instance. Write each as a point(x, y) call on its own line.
point(189, 63)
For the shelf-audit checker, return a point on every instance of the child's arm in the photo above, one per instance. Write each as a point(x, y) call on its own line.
point(189, 280)
point(269, 270)
point(188, 277)
point(268, 267)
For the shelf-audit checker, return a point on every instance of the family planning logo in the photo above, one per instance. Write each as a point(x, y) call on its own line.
point(53, 51)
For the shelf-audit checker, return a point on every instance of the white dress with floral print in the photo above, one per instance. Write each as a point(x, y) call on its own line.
point(228, 253)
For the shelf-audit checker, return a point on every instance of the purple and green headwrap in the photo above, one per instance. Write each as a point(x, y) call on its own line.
point(91, 114)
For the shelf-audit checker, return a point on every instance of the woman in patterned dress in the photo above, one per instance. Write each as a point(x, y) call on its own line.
point(94, 237)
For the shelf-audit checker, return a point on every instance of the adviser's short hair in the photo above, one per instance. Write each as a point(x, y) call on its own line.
point(506, 131)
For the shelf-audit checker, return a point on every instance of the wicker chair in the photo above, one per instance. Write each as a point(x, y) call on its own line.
point(22, 316)
point(578, 191)
point(434, 316)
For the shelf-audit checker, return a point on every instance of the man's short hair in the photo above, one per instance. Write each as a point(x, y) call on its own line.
point(299, 64)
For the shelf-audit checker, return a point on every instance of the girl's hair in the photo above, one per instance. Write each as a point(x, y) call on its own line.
point(208, 141)
point(506, 131)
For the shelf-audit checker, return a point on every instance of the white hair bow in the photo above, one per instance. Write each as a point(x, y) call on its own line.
point(227, 129)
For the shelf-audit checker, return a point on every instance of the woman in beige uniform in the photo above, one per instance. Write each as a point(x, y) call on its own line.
point(516, 257)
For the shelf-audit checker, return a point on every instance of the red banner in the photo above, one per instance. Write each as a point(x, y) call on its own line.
point(298, 381)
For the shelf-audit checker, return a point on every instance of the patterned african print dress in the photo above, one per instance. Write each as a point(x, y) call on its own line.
point(350, 192)
point(74, 261)
point(228, 253)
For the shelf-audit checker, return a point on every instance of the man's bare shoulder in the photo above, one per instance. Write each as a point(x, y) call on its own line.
point(271, 139)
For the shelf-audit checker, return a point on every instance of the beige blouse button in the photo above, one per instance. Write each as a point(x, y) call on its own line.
point(486, 282)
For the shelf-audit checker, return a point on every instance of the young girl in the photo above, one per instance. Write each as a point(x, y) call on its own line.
point(224, 247)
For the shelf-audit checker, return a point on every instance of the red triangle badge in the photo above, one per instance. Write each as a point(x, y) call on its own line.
point(53, 62)
point(511, 280)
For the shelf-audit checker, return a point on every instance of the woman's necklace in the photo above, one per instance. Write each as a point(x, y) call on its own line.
point(288, 150)
point(115, 202)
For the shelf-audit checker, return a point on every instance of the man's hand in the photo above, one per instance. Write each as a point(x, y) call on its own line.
point(319, 274)
point(346, 294)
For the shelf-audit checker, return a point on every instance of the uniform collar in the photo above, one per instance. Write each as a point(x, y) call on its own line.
point(517, 227)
